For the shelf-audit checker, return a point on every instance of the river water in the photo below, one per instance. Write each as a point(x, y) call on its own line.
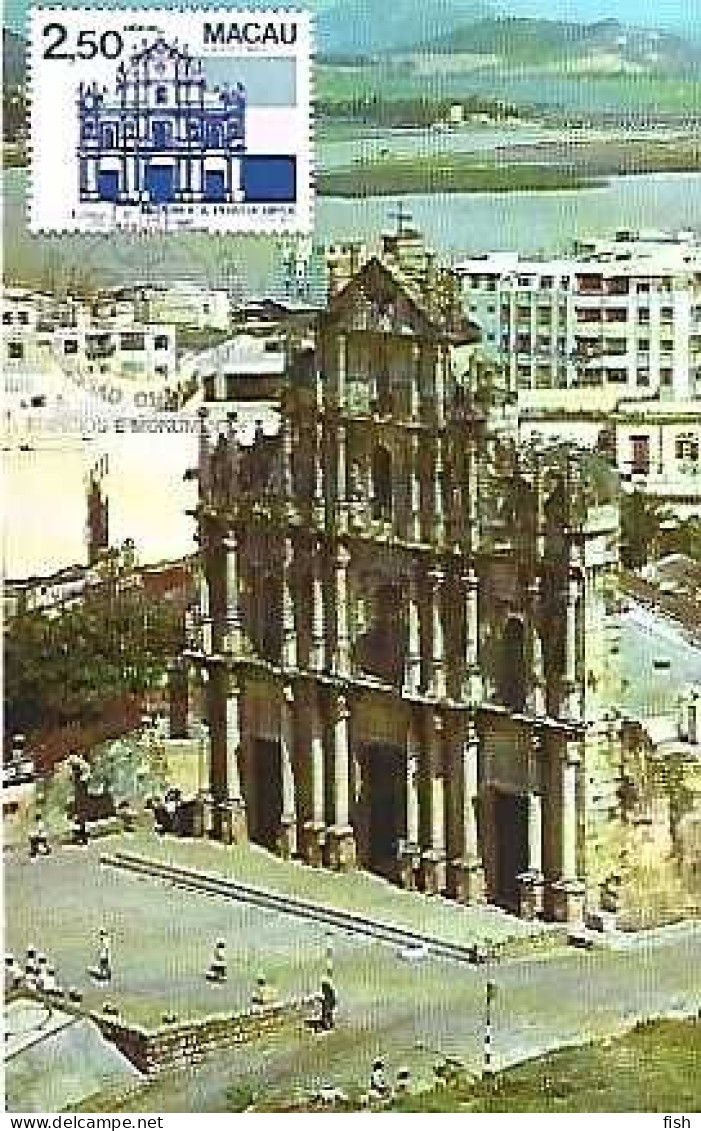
point(453, 224)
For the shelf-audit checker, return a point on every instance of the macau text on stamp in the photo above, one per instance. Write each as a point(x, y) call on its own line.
point(161, 120)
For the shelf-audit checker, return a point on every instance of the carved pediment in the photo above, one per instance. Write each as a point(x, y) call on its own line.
point(375, 300)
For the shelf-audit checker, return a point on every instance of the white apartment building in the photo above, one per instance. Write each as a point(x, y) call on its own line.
point(619, 318)
point(245, 366)
point(184, 304)
point(137, 351)
point(54, 351)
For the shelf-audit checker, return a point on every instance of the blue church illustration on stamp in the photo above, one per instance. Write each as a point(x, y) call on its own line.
point(163, 136)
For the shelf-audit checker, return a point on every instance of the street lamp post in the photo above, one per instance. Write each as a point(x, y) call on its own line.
point(329, 956)
point(490, 993)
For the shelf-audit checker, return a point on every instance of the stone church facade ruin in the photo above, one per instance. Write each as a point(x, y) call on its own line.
point(401, 636)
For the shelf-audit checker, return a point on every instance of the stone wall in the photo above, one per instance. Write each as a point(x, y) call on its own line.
point(184, 1044)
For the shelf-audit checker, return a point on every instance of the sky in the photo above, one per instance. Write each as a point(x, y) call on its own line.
point(677, 15)
point(673, 14)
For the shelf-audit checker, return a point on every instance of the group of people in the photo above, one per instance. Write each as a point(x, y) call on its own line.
point(39, 844)
point(37, 974)
point(39, 839)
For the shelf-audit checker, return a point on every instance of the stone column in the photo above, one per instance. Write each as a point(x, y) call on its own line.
point(318, 644)
point(342, 479)
point(203, 454)
point(434, 855)
point(530, 882)
point(440, 385)
point(412, 668)
point(568, 890)
point(438, 500)
point(287, 458)
point(315, 827)
point(410, 851)
point(287, 839)
point(342, 654)
point(538, 702)
point(232, 813)
point(571, 684)
point(342, 364)
point(289, 628)
point(205, 610)
point(467, 871)
point(342, 852)
point(415, 383)
point(319, 475)
point(473, 683)
point(233, 609)
point(415, 488)
point(438, 680)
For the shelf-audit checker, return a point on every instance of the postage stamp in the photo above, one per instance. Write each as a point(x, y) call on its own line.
point(149, 119)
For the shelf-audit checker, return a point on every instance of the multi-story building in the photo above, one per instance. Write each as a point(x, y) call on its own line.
point(133, 351)
point(604, 346)
point(621, 318)
point(400, 640)
point(184, 304)
point(46, 337)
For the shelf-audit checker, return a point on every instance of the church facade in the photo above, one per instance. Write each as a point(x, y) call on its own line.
point(400, 634)
point(162, 136)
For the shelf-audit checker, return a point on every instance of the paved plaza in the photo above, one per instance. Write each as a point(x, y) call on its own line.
point(163, 939)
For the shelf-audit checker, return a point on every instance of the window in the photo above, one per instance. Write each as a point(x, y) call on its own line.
point(618, 286)
point(70, 346)
point(615, 346)
point(23, 318)
point(687, 448)
point(161, 342)
point(15, 350)
point(161, 95)
point(193, 129)
point(666, 378)
point(644, 287)
point(7, 318)
point(644, 317)
point(667, 313)
point(132, 342)
point(640, 455)
point(617, 376)
point(382, 484)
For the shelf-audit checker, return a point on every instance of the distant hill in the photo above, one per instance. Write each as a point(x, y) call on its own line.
point(366, 27)
point(538, 42)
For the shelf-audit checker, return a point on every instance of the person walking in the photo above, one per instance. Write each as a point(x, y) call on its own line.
point(104, 958)
point(328, 1004)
